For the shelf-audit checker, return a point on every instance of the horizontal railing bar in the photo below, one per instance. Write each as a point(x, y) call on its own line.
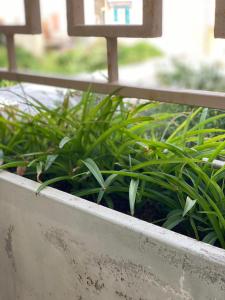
point(132, 31)
point(13, 29)
point(187, 97)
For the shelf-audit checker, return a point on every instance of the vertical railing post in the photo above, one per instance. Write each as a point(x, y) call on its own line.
point(11, 51)
point(32, 16)
point(112, 56)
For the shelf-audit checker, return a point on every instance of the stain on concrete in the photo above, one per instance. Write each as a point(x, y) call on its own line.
point(9, 246)
point(96, 275)
point(123, 295)
point(209, 274)
point(92, 272)
point(56, 238)
point(132, 276)
point(99, 285)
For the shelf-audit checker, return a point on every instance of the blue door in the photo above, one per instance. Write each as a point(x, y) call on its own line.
point(127, 15)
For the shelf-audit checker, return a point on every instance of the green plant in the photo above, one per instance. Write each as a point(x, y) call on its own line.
point(125, 156)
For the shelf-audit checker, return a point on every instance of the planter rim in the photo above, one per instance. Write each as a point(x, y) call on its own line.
point(151, 231)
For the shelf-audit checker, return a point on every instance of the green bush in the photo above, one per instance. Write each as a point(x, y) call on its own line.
point(3, 57)
point(5, 83)
point(84, 58)
point(138, 52)
point(204, 77)
point(209, 77)
point(125, 156)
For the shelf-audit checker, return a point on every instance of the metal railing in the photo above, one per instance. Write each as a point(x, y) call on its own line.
point(151, 27)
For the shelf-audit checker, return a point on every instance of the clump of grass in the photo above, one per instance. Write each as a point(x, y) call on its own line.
point(132, 157)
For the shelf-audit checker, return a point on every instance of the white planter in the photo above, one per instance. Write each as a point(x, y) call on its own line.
point(56, 246)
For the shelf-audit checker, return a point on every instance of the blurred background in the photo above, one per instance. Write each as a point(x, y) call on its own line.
point(187, 55)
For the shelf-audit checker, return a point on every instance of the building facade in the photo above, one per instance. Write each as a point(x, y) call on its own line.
point(188, 24)
point(113, 12)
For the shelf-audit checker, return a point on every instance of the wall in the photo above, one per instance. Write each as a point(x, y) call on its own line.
point(188, 28)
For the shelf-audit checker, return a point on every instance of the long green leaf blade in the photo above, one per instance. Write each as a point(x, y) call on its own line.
point(133, 195)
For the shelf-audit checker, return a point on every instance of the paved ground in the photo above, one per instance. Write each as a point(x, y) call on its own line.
point(135, 74)
point(22, 94)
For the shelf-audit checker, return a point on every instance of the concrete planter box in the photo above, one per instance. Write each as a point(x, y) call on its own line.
point(56, 246)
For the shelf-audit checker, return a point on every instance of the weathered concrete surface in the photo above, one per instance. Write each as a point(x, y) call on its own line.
point(55, 246)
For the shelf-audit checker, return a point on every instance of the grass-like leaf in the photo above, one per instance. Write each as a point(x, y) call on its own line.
point(173, 221)
point(93, 168)
point(188, 205)
point(133, 195)
point(64, 141)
